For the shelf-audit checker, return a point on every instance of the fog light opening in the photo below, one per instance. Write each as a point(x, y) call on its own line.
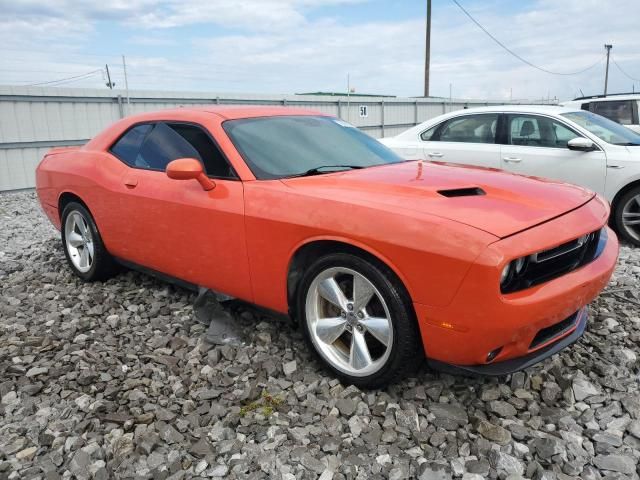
point(493, 354)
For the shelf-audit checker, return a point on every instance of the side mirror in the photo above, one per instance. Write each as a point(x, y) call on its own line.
point(581, 144)
point(189, 169)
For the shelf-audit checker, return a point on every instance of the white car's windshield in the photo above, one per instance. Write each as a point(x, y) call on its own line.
point(604, 129)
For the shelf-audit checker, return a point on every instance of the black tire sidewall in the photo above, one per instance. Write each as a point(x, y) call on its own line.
point(102, 262)
point(617, 216)
point(404, 351)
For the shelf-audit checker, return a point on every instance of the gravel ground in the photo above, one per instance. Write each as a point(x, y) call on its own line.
point(113, 380)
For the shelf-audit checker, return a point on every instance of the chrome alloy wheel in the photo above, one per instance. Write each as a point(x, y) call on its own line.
point(79, 241)
point(349, 321)
point(631, 217)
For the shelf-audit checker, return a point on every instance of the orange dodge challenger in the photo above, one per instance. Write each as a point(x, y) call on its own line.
point(382, 261)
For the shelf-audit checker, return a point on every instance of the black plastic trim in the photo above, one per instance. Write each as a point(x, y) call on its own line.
point(553, 331)
point(535, 273)
point(462, 192)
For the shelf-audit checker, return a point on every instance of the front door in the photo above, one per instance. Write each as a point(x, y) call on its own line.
point(175, 227)
point(536, 145)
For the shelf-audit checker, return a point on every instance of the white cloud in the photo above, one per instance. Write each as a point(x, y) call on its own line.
point(277, 46)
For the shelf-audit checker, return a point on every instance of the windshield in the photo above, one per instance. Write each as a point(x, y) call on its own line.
point(604, 129)
point(277, 147)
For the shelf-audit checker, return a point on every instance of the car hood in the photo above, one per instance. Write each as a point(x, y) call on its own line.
point(491, 200)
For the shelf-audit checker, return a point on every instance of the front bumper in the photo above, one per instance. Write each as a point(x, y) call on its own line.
point(480, 320)
point(520, 363)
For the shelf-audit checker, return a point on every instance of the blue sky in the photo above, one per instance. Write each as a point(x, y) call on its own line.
point(288, 46)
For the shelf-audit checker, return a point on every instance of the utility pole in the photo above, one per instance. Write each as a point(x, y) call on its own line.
point(606, 74)
point(427, 52)
point(110, 84)
point(126, 82)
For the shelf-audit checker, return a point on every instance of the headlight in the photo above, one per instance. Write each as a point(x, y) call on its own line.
point(544, 265)
point(519, 264)
point(505, 273)
point(511, 273)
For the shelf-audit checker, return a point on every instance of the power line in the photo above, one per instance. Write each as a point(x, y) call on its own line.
point(625, 73)
point(524, 60)
point(64, 80)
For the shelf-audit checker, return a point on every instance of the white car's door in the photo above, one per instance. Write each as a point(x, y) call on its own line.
point(536, 145)
point(466, 139)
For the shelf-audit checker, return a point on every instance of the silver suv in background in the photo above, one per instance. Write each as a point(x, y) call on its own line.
point(620, 107)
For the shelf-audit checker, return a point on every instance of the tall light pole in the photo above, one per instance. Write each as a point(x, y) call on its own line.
point(427, 52)
point(606, 74)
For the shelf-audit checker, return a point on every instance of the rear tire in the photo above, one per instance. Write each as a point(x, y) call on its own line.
point(626, 216)
point(83, 247)
point(359, 320)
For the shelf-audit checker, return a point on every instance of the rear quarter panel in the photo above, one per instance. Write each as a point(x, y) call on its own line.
point(88, 174)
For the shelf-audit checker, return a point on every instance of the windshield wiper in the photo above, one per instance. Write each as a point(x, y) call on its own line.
point(628, 144)
point(323, 169)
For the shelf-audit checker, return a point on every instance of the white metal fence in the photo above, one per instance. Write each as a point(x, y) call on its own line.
point(32, 120)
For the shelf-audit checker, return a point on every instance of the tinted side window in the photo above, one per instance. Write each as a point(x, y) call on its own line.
point(470, 129)
point(535, 131)
point(128, 146)
point(162, 145)
point(207, 152)
point(618, 111)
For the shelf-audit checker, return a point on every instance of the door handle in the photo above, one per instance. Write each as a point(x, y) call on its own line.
point(131, 182)
point(435, 154)
point(512, 159)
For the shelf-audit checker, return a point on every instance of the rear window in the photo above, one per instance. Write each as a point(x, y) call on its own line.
point(620, 111)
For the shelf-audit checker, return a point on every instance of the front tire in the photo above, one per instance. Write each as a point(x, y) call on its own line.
point(83, 247)
point(359, 320)
point(627, 216)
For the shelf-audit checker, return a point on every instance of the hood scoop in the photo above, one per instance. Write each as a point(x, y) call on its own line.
point(462, 192)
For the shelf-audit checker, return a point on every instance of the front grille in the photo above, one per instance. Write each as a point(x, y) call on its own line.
point(555, 330)
point(557, 261)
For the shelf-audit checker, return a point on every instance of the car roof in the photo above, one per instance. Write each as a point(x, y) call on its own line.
point(609, 98)
point(548, 109)
point(228, 112)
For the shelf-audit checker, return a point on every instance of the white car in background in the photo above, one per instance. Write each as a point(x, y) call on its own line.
point(560, 143)
point(621, 108)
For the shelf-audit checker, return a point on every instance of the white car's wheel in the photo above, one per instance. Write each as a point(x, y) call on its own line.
point(627, 216)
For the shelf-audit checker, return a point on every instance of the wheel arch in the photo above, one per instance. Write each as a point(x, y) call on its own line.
point(629, 186)
point(312, 249)
point(67, 197)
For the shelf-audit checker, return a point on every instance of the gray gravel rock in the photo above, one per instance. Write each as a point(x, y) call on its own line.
point(448, 416)
point(494, 433)
point(616, 463)
point(114, 380)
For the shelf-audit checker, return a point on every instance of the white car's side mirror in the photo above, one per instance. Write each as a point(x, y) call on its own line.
point(581, 144)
